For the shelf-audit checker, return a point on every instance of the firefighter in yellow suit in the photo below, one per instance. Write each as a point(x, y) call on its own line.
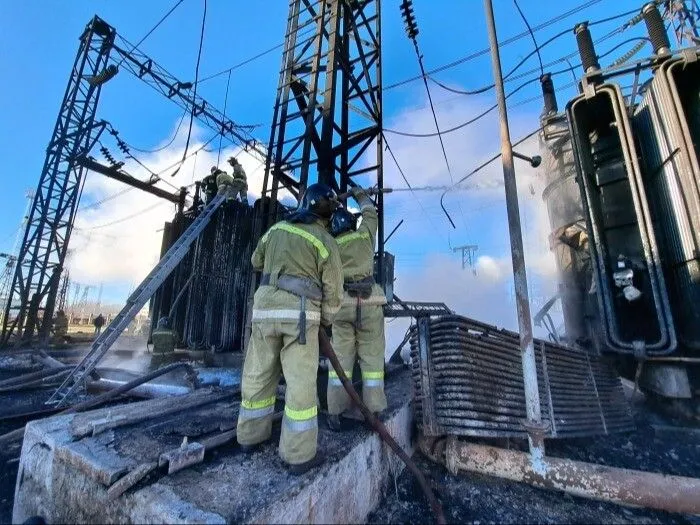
point(358, 329)
point(300, 290)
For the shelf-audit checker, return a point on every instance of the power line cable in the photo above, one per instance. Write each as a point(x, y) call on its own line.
point(504, 43)
point(519, 36)
point(267, 51)
point(194, 94)
point(221, 137)
point(476, 170)
point(124, 219)
point(408, 184)
point(532, 34)
point(168, 144)
point(163, 19)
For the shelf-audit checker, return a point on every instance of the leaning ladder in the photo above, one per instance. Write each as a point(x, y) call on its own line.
point(134, 304)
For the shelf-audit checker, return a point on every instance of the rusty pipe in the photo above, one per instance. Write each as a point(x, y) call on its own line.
point(587, 480)
point(327, 351)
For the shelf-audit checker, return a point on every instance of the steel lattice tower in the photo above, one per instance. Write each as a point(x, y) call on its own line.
point(40, 259)
point(684, 16)
point(328, 111)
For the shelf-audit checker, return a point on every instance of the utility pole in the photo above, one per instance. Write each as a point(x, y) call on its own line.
point(534, 428)
point(468, 251)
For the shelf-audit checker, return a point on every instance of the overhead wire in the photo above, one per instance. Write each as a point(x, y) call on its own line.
point(261, 54)
point(194, 95)
point(405, 179)
point(532, 35)
point(150, 32)
point(124, 219)
point(517, 37)
point(221, 137)
point(167, 144)
point(477, 169)
point(519, 64)
point(486, 50)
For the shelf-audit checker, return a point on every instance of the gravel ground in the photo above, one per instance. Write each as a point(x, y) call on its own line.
point(472, 498)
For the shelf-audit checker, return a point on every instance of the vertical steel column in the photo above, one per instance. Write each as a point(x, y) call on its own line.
point(532, 394)
point(40, 259)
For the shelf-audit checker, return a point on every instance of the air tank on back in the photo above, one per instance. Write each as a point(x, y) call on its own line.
point(568, 238)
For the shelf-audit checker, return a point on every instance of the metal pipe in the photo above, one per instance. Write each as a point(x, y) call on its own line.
point(146, 390)
point(326, 349)
point(107, 396)
point(535, 431)
point(587, 480)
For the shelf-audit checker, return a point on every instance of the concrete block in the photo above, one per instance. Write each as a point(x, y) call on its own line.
point(65, 479)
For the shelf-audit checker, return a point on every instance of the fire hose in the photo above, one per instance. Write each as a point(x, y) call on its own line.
point(327, 351)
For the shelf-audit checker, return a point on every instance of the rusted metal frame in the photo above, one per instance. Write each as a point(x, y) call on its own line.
point(275, 151)
point(324, 153)
point(599, 482)
point(313, 88)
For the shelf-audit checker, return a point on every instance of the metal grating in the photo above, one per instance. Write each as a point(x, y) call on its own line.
point(468, 381)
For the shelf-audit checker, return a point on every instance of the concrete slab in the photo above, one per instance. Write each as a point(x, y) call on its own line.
point(65, 479)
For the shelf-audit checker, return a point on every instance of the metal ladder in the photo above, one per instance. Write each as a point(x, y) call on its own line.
point(135, 302)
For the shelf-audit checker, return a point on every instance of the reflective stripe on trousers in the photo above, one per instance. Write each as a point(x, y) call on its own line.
point(334, 380)
point(257, 409)
point(373, 379)
point(300, 420)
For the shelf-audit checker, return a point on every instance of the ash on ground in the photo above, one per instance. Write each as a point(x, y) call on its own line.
point(479, 499)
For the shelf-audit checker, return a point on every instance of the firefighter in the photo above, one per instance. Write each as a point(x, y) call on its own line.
point(358, 329)
point(98, 323)
point(209, 185)
point(301, 290)
point(60, 324)
point(163, 337)
point(224, 181)
point(240, 181)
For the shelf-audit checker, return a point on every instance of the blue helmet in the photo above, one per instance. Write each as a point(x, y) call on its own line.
point(342, 221)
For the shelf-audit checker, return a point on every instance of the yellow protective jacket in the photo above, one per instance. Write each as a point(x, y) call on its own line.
point(223, 178)
point(300, 250)
point(357, 253)
point(239, 173)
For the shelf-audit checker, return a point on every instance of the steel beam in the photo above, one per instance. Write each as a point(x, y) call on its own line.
point(41, 256)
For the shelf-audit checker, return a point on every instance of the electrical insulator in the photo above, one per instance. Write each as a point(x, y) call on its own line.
point(122, 146)
point(103, 76)
point(409, 19)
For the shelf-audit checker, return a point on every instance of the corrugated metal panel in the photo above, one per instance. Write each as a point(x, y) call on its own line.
point(212, 312)
point(664, 121)
point(476, 388)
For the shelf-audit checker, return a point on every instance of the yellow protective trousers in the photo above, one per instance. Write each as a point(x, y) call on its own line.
point(274, 349)
point(364, 343)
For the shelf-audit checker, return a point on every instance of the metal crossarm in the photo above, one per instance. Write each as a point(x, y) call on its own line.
point(135, 303)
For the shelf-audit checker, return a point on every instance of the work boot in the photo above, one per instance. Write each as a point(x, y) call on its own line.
point(249, 449)
point(302, 468)
point(334, 422)
point(353, 413)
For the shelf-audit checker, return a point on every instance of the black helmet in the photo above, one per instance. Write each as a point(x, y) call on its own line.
point(320, 200)
point(163, 323)
point(342, 221)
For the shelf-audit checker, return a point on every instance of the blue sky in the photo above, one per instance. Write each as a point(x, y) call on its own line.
point(39, 38)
